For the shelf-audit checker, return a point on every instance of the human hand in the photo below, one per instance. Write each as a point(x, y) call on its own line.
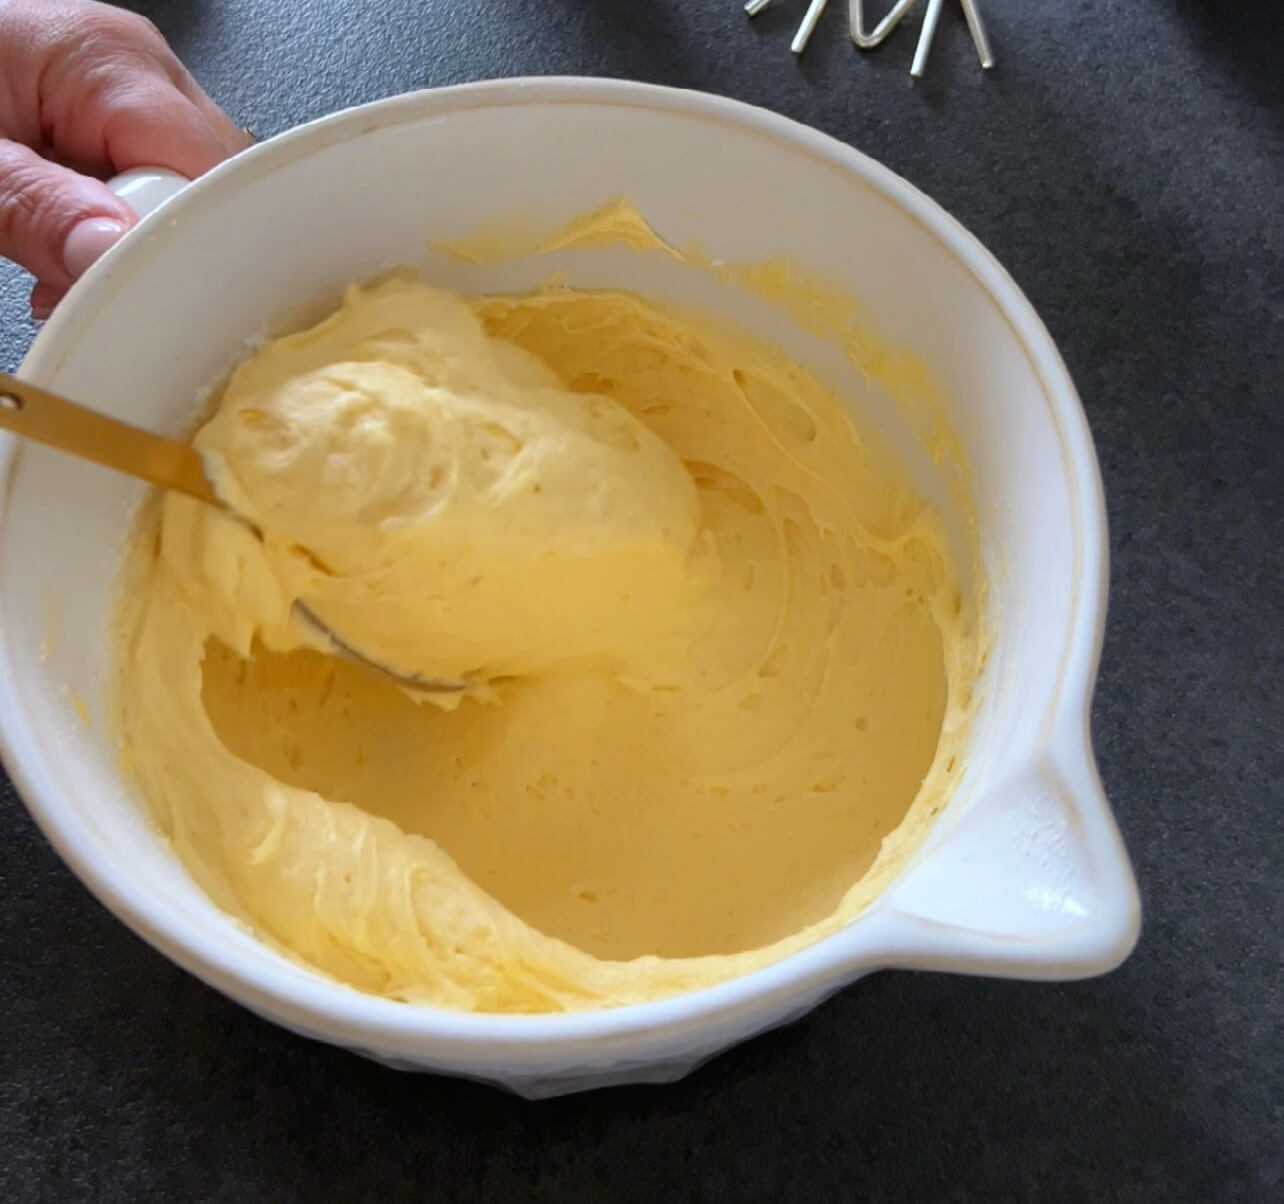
point(88, 91)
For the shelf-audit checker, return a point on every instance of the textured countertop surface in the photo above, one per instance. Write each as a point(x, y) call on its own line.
point(1126, 163)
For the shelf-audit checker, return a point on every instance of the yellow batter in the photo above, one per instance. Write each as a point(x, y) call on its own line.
point(744, 665)
point(439, 500)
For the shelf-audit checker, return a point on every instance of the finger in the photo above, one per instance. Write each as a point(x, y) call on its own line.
point(54, 222)
point(228, 131)
point(234, 137)
point(146, 121)
point(44, 299)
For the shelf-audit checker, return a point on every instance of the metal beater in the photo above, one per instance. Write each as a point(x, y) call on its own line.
point(877, 35)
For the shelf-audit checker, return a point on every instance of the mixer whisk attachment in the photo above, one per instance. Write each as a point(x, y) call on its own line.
point(868, 39)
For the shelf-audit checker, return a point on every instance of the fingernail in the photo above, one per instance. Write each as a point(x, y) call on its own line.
point(88, 242)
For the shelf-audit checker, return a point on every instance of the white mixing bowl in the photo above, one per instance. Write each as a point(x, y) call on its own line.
point(1025, 874)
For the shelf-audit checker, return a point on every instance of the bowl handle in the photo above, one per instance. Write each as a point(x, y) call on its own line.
point(1031, 880)
point(146, 189)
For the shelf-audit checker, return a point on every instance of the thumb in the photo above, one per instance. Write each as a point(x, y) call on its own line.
point(53, 221)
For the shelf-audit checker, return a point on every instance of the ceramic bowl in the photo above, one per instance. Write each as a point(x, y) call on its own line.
point(1024, 875)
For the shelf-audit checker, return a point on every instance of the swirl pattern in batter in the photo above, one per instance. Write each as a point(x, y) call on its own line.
point(717, 761)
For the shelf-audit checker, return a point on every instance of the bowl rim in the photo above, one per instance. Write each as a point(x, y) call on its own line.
point(305, 999)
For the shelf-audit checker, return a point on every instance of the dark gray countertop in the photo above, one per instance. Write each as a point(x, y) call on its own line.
point(1126, 163)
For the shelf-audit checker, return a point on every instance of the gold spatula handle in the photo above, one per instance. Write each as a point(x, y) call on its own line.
point(48, 418)
point(57, 422)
